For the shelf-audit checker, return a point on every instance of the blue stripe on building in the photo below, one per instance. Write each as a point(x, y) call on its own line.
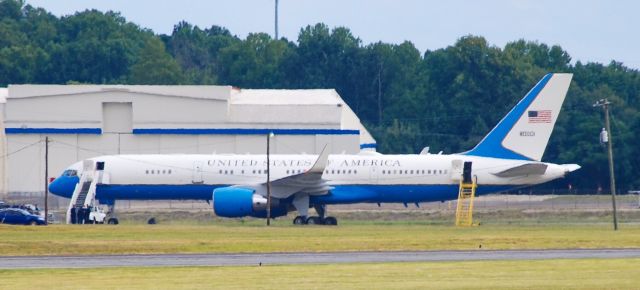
point(247, 131)
point(183, 131)
point(368, 145)
point(53, 131)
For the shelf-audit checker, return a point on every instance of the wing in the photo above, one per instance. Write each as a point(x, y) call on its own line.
point(309, 182)
point(522, 170)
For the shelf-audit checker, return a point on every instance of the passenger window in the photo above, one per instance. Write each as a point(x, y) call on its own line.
point(146, 172)
point(169, 171)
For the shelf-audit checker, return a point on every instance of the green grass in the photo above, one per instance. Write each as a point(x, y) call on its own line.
point(543, 274)
point(253, 236)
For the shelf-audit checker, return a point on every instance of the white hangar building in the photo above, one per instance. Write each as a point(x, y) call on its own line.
point(84, 121)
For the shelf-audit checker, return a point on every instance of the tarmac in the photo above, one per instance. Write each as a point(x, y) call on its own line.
point(262, 259)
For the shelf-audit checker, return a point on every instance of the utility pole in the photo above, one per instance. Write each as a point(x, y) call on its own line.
point(268, 180)
point(46, 179)
point(606, 137)
point(276, 20)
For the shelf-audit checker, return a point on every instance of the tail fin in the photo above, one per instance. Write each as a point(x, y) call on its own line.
point(524, 132)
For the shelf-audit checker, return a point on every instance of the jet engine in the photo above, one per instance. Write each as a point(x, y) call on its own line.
point(241, 202)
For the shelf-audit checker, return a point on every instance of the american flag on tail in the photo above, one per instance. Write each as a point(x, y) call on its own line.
point(540, 116)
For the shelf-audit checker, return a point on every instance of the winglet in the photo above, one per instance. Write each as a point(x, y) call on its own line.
point(321, 162)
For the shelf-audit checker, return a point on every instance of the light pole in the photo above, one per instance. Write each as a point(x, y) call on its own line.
point(269, 179)
point(276, 18)
point(46, 180)
point(606, 137)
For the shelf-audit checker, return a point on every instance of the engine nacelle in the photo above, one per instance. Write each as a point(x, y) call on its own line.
point(241, 202)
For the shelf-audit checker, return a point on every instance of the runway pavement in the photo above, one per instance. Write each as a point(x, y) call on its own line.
point(303, 258)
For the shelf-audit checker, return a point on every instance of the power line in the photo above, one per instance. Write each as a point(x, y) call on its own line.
point(23, 148)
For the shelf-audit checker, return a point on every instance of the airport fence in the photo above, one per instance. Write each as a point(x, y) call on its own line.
point(517, 200)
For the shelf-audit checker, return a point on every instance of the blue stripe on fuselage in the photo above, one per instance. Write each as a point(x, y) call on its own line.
point(160, 191)
point(339, 194)
point(343, 194)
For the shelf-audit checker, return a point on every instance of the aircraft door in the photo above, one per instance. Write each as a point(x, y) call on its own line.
point(456, 170)
point(466, 172)
point(373, 174)
point(197, 172)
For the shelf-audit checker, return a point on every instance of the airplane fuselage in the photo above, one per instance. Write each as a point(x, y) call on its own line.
point(353, 178)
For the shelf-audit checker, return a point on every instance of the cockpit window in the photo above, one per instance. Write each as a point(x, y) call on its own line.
point(70, 172)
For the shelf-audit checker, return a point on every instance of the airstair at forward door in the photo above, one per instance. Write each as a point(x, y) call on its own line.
point(85, 191)
point(464, 210)
point(82, 194)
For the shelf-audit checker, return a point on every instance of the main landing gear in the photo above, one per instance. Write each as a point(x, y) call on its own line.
point(316, 220)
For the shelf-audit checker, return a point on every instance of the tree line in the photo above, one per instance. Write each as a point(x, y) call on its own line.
point(447, 98)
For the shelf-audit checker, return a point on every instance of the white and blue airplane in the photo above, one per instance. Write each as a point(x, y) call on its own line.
point(508, 157)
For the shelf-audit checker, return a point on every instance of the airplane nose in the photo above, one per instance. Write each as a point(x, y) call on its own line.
point(54, 186)
point(63, 186)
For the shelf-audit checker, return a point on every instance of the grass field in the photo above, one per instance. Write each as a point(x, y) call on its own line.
point(253, 236)
point(542, 274)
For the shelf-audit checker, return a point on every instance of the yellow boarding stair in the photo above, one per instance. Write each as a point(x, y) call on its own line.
point(464, 210)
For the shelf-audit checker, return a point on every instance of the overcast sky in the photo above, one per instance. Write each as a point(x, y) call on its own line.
point(589, 30)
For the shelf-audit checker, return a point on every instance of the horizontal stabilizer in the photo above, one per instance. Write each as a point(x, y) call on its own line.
point(571, 167)
point(525, 169)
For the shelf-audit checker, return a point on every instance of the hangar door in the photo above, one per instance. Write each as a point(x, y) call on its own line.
point(117, 118)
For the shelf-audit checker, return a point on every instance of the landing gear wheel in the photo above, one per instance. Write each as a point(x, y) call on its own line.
point(300, 220)
point(314, 220)
point(330, 221)
point(113, 221)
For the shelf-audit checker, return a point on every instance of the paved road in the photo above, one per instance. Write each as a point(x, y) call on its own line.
point(302, 258)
